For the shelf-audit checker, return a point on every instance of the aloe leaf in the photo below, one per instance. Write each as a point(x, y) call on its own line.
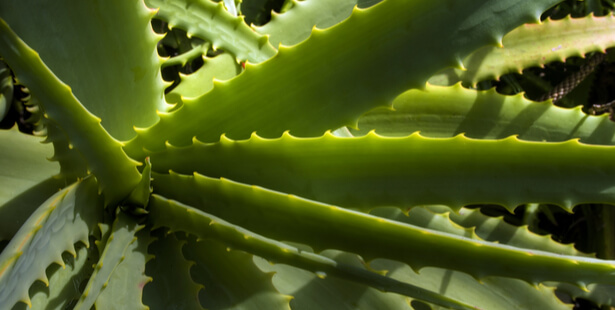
point(210, 21)
point(374, 171)
point(118, 246)
point(534, 45)
point(65, 219)
point(117, 174)
point(327, 292)
point(196, 49)
point(181, 217)
point(140, 195)
point(26, 180)
point(497, 230)
point(72, 163)
point(350, 85)
point(64, 281)
point(296, 24)
point(470, 223)
point(323, 226)
point(120, 48)
point(491, 292)
point(6, 90)
point(448, 111)
point(170, 287)
point(24, 161)
point(230, 278)
point(15, 212)
point(321, 291)
point(125, 285)
point(601, 294)
point(488, 293)
point(221, 67)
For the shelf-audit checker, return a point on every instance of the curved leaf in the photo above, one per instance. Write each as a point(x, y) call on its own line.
point(121, 242)
point(212, 22)
point(26, 178)
point(333, 89)
point(66, 218)
point(185, 218)
point(296, 24)
point(6, 90)
point(448, 111)
point(319, 290)
point(470, 223)
point(230, 278)
point(125, 286)
point(170, 287)
point(534, 45)
point(105, 51)
point(64, 281)
point(374, 171)
point(104, 156)
point(322, 226)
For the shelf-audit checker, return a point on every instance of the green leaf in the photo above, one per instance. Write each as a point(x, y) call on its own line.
point(178, 216)
point(230, 278)
point(488, 293)
point(532, 46)
point(321, 226)
point(125, 286)
point(601, 294)
point(170, 287)
point(320, 291)
point(221, 67)
point(26, 178)
point(122, 241)
point(6, 90)
point(116, 173)
point(66, 218)
point(64, 281)
point(105, 51)
point(330, 90)
point(208, 20)
point(296, 25)
point(371, 171)
point(448, 111)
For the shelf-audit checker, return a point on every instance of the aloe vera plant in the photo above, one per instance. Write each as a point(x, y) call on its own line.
point(305, 163)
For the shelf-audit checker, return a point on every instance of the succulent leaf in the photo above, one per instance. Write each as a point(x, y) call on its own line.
point(438, 111)
point(125, 285)
point(325, 291)
point(26, 179)
point(120, 244)
point(296, 25)
point(83, 129)
point(471, 223)
point(64, 281)
point(325, 103)
point(488, 293)
point(178, 216)
point(118, 80)
point(66, 218)
point(287, 217)
point(6, 90)
point(222, 67)
point(239, 185)
point(170, 287)
point(534, 45)
point(230, 278)
point(372, 171)
point(211, 21)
